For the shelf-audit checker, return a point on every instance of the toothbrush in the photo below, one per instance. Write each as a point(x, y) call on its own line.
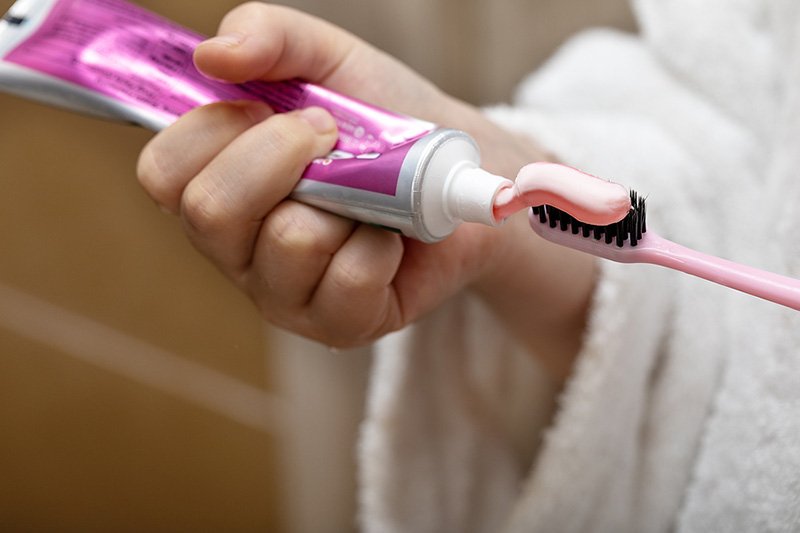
point(628, 241)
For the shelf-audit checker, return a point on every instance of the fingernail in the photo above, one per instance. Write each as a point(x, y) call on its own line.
point(229, 39)
point(318, 118)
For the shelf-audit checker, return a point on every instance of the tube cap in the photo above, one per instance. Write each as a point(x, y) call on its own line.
point(470, 194)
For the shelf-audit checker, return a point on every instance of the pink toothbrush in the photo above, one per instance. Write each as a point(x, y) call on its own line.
point(628, 241)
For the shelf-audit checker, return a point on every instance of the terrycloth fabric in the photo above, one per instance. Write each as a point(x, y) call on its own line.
point(683, 411)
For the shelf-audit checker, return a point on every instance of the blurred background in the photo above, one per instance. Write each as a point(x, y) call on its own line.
point(138, 390)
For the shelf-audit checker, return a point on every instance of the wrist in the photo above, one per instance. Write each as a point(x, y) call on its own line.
point(541, 293)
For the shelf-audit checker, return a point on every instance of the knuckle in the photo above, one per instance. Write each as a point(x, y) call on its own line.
point(350, 276)
point(290, 228)
point(202, 210)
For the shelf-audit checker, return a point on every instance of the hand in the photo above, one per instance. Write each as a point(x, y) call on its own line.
point(227, 170)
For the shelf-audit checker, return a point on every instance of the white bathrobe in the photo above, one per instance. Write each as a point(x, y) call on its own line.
point(683, 410)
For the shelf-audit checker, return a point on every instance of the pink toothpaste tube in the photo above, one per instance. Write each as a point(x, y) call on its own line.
point(116, 60)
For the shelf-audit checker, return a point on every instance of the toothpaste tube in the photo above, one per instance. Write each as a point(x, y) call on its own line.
point(116, 60)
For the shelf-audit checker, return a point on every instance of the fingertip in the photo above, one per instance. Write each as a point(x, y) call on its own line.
point(228, 57)
point(320, 120)
point(313, 131)
point(207, 56)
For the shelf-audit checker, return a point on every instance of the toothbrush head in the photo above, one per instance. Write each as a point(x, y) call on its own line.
point(614, 241)
point(628, 241)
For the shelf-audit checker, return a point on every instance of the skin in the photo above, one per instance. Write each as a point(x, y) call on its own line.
point(226, 170)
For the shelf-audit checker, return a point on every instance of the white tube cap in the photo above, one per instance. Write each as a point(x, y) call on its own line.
point(470, 193)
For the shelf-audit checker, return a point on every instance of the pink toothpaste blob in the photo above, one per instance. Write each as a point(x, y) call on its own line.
point(588, 198)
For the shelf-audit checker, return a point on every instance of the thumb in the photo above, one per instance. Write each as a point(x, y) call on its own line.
point(269, 42)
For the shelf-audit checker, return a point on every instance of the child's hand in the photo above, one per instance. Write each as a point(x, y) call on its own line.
point(227, 170)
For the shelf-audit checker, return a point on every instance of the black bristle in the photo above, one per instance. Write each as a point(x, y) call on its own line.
point(611, 232)
point(630, 229)
point(621, 233)
point(634, 235)
point(598, 232)
point(13, 19)
point(564, 222)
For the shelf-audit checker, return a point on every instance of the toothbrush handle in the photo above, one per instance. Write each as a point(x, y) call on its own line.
point(767, 285)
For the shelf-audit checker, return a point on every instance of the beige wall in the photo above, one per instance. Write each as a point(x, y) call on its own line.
point(136, 391)
point(475, 49)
